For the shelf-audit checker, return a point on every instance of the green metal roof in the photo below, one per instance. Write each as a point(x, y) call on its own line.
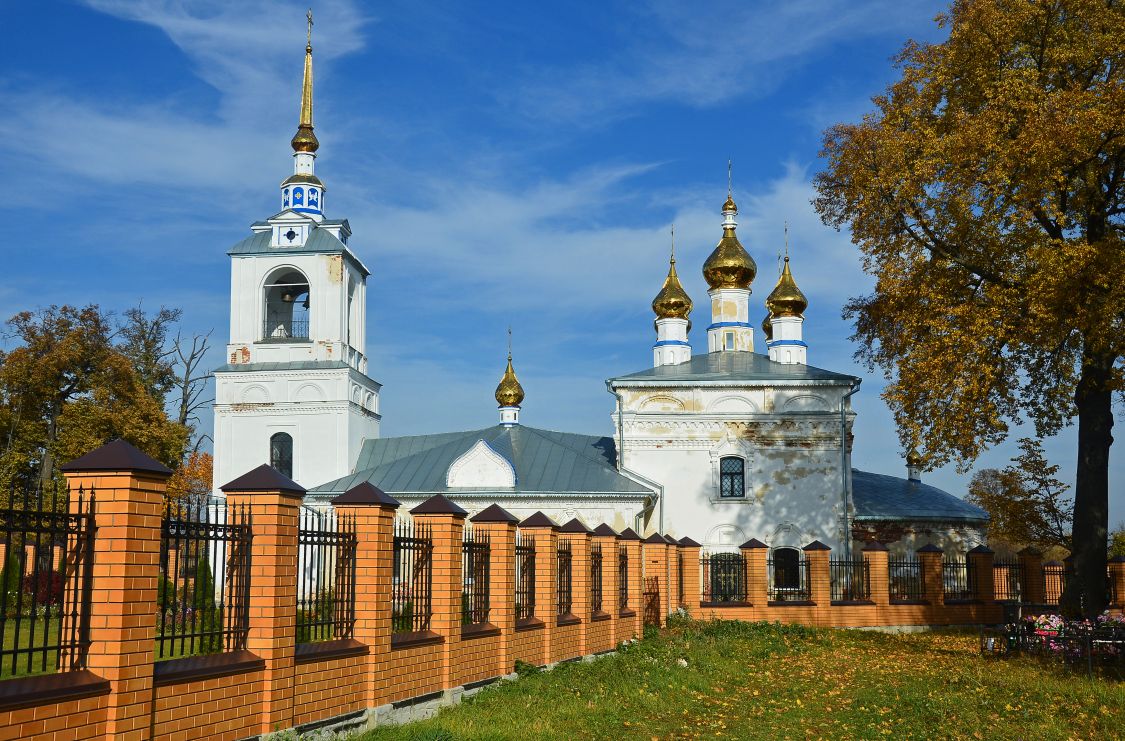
point(880, 497)
point(545, 462)
point(726, 368)
point(320, 242)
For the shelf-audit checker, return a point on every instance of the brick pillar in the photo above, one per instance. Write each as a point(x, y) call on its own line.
point(445, 521)
point(930, 556)
point(29, 559)
point(373, 513)
point(578, 535)
point(56, 557)
point(820, 580)
point(273, 502)
point(1034, 583)
point(499, 526)
point(981, 559)
point(754, 553)
point(630, 623)
point(1116, 569)
point(541, 530)
point(876, 556)
point(605, 537)
point(655, 557)
point(128, 489)
point(673, 552)
point(693, 593)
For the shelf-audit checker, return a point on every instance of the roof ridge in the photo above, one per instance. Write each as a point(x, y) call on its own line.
point(579, 451)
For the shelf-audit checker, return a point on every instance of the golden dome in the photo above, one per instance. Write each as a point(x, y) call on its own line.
point(730, 265)
point(914, 459)
point(672, 302)
point(767, 327)
point(509, 393)
point(729, 205)
point(786, 298)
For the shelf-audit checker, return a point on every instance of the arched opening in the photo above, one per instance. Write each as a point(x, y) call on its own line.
point(789, 581)
point(286, 297)
point(732, 477)
point(281, 453)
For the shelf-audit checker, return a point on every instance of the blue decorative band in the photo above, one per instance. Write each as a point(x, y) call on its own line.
point(307, 210)
point(799, 343)
point(672, 342)
point(717, 325)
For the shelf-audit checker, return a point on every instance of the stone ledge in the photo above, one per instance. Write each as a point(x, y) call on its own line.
point(193, 668)
point(23, 692)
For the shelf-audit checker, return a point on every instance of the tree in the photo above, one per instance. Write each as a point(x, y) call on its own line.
point(1026, 502)
point(192, 481)
point(987, 195)
point(145, 343)
point(1117, 541)
point(190, 380)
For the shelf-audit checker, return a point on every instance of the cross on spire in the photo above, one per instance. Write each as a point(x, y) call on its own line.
point(509, 342)
point(308, 41)
point(673, 244)
point(730, 190)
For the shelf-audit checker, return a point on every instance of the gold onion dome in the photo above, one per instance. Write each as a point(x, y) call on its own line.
point(509, 393)
point(672, 302)
point(767, 328)
point(786, 298)
point(730, 265)
point(914, 458)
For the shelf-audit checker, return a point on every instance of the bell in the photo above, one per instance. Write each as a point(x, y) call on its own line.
point(288, 296)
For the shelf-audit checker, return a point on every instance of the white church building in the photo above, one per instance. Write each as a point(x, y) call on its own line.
point(745, 440)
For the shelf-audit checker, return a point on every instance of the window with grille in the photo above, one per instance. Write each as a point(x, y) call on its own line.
point(732, 477)
point(281, 453)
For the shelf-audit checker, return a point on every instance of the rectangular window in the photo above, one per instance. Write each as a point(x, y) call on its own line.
point(732, 477)
point(730, 340)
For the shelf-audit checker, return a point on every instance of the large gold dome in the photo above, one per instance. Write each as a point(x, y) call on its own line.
point(786, 298)
point(672, 302)
point(730, 265)
point(509, 393)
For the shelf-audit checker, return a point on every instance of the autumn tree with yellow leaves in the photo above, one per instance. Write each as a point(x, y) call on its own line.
point(987, 194)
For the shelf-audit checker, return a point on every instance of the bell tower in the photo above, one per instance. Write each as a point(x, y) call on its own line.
point(294, 391)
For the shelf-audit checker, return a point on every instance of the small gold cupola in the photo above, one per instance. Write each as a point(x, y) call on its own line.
point(729, 265)
point(672, 302)
point(509, 392)
point(305, 140)
point(786, 298)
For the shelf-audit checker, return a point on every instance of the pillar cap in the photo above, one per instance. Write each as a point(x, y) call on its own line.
point(656, 538)
point(574, 526)
point(264, 478)
point(439, 504)
point(117, 456)
point(688, 542)
point(752, 544)
point(816, 545)
point(929, 548)
point(605, 530)
point(367, 493)
point(629, 534)
point(874, 545)
point(981, 549)
point(494, 513)
point(539, 520)
point(670, 540)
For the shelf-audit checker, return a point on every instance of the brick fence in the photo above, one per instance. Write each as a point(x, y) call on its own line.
point(378, 675)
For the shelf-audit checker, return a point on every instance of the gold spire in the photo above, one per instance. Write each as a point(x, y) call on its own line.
point(672, 302)
point(509, 393)
point(786, 298)
point(729, 265)
point(305, 140)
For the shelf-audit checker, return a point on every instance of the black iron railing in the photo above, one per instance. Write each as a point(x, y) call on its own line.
point(595, 578)
point(563, 586)
point(475, 575)
point(411, 577)
point(850, 580)
point(1007, 580)
point(525, 577)
point(280, 329)
point(622, 578)
point(789, 580)
point(959, 580)
point(203, 596)
point(45, 581)
point(724, 577)
point(326, 548)
point(906, 581)
point(1054, 581)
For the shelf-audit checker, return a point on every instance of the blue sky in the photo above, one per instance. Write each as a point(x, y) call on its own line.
point(500, 163)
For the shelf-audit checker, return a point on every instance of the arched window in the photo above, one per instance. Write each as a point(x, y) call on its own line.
point(286, 308)
point(281, 453)
point(786, 569)
point(732, 477)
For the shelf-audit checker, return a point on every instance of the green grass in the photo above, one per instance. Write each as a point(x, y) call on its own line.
point(25, 639)
point(760, 681)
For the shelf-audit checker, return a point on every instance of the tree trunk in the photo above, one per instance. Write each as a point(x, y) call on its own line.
point(1086, 591)
point(47, 466)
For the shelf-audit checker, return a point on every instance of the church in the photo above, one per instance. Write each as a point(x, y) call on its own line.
point(723, 446)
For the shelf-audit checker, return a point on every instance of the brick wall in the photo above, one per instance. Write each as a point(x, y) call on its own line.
point(276, 684)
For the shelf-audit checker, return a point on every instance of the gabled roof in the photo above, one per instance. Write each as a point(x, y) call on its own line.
point(545, 462)
point(880, 497)
point(728, 368)
point(320, 242)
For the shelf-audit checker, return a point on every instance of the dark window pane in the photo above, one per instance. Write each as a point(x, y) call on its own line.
point(731, 477)
point(281, 453)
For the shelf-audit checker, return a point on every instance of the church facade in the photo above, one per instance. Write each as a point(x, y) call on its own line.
point(723, 446)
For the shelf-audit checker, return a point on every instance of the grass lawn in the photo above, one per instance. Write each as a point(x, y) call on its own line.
point(23, 639)
point(758, 681)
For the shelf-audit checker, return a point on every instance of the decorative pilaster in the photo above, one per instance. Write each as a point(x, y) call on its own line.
point(817, 555)
point(631, 615)
point(693, 593)
point(540, 529)
point(982, 558)
point(1034, 582)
